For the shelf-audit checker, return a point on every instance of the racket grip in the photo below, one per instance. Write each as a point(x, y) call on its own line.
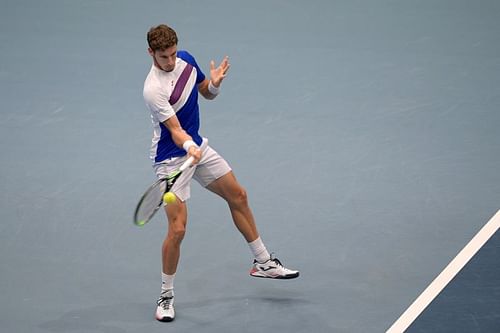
point(186, 164)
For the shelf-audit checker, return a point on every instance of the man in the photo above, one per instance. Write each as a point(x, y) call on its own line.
point(171, 94)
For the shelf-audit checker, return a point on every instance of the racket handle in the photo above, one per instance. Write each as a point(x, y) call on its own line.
point(186, 164)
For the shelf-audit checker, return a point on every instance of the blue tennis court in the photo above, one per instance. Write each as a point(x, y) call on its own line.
point(365, 132)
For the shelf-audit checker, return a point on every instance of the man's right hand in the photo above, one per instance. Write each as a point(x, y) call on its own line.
point(196, 153)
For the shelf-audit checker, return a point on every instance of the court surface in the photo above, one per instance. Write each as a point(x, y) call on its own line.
point(365, 132)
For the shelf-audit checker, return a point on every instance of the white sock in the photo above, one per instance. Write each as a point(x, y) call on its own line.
point(167, 282)
point(259, 251)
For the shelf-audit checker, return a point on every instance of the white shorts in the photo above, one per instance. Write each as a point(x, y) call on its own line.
point(211, 167)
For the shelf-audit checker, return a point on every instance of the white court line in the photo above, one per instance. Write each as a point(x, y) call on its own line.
point(419, 305)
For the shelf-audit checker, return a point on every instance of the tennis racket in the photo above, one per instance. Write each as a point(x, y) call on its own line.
point(152, 199)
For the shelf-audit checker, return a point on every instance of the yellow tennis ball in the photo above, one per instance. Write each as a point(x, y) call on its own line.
point(169, 198)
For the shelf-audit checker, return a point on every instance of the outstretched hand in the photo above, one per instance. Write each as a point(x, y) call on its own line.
point(218, 74)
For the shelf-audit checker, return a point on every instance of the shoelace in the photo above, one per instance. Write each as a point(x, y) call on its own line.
point(165, 301)
point(276, 260)
point(273, 259)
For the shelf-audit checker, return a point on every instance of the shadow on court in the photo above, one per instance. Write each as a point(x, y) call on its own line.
point(226, 313)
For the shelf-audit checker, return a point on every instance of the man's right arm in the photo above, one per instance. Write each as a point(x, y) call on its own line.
point(181, 138)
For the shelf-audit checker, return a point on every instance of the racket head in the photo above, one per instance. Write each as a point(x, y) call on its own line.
point(152, 199)
point(150, 202)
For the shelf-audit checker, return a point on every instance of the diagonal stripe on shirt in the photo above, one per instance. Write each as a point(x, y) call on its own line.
point(181, 84)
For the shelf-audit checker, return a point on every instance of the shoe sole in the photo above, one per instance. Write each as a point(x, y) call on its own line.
point(285, 277)
point(165, 319)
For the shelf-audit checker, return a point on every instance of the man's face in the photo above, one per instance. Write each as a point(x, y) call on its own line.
point(165, 59)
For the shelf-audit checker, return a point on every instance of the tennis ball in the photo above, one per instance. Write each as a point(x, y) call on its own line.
point(169, 198)
point(141, 223)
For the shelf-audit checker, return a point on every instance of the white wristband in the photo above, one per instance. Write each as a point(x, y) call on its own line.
point(213, 89)
point(188, 144)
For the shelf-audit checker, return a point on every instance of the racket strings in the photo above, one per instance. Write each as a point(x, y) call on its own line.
point(151, 202)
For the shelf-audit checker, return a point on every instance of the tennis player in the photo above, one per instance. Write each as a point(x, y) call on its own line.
point(171, 94)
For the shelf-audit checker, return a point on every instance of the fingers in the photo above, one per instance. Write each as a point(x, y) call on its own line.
point(224, 65)
point(219, 73)
point(196, 153)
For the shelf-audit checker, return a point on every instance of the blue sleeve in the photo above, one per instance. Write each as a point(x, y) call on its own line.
point(187, 57)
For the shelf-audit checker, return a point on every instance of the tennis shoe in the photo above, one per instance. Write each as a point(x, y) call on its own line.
point(165, 309)
point(272, 269)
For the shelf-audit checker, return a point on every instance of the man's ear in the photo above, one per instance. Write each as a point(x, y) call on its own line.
point(150, 51)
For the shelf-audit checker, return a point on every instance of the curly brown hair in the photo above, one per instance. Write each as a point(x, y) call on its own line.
point(161, 37)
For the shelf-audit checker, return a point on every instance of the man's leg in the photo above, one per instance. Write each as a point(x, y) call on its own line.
point(171, 249)
point(235, 195)
point(177, 219)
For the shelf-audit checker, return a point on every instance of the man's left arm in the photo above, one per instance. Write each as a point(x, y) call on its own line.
point(209, 88)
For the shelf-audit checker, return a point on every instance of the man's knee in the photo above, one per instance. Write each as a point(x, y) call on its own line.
point(177, 216)
point(176, 232)
point(239, 197)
